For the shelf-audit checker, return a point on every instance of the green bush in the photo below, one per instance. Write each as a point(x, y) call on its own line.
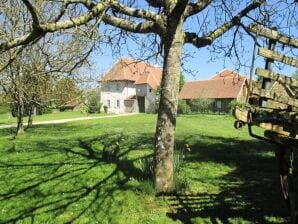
point(201, 105)
point(84, 109)
point(93, 102)
point(236, 103)
point(44, 109)
point(183, 107)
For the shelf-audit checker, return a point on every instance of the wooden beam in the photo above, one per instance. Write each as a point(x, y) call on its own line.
point(274, 128)
point(262, 115)
point(278, 57)
point(240, 114)
point(274, 96)
point(282, 139)
point(266, 120)
point(273, 34)
point(277, 77)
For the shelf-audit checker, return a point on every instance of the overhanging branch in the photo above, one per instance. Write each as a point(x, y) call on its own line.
point(42, 28)
point(193, 8)
point(199, 42)
point(27, 38)
point(32, 11)
point(138, 13)
point(145, 27)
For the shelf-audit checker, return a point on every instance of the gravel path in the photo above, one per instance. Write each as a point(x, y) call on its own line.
point(60, 121)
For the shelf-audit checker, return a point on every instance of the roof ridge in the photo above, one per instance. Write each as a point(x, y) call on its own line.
point(210, 80)
point(224, 70)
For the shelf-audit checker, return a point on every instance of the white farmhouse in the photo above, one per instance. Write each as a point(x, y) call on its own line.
point(130, 86)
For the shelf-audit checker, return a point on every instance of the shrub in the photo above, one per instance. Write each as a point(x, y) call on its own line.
point(236, 103)
point(44, 109)
point(93, 102)
point(201, 105)
point(84, 109)
point(183, 107)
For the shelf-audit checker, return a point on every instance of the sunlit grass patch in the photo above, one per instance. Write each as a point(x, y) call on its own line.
point(92, 172)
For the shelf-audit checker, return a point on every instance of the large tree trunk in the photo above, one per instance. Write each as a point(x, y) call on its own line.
point(20, 116)
point(166, 123)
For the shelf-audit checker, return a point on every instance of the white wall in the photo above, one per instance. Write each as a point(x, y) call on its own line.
point(116, 90)
point(150, 96)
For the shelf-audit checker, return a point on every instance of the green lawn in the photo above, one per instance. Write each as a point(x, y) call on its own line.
point(93, 172)
point(6, 118)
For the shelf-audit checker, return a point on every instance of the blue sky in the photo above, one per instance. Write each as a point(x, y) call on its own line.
point(203, 64)
point(200, 64)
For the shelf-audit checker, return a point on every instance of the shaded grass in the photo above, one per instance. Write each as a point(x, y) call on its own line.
point(89, 172)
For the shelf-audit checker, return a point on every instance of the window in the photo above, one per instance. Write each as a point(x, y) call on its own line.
point(150, 90)
point(118, 103)
point(109, 103)
point(117, 87)
point(218, 104)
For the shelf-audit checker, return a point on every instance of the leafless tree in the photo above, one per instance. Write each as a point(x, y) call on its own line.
point(172, 24)
point(29, 73)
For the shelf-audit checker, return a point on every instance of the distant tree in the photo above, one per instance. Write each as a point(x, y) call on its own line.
point(93, 101)
point(65, 89)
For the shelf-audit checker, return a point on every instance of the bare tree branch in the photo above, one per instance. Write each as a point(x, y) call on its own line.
point(26, 39)
point(193, 8)
point(156, 3)
point(40, 30)
point(145, 27)
point(32, 11)
point(137, 13)
point(199, 42)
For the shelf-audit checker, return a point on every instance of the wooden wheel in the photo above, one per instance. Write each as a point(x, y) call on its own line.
point(287, 181)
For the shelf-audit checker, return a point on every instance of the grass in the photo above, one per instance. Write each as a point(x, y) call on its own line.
point(6, 118)
point(90, 172)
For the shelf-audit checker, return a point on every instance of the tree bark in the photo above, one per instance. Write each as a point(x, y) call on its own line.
point(173, 40)
point(30, 115)
point(20, 116)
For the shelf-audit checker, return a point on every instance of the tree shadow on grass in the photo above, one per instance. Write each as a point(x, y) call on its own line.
point(68, 180)
point(250, 192)
point(64, 183)
point(7, 132)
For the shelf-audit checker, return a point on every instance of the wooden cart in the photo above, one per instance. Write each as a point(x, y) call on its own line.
point(272, 104)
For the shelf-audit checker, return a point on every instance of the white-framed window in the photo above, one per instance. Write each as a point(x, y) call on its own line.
point(118, 104)
point(109, 103)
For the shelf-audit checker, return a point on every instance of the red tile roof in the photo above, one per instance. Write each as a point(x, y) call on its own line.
point(226, 84)
point(225, 73)
point(136, 71)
